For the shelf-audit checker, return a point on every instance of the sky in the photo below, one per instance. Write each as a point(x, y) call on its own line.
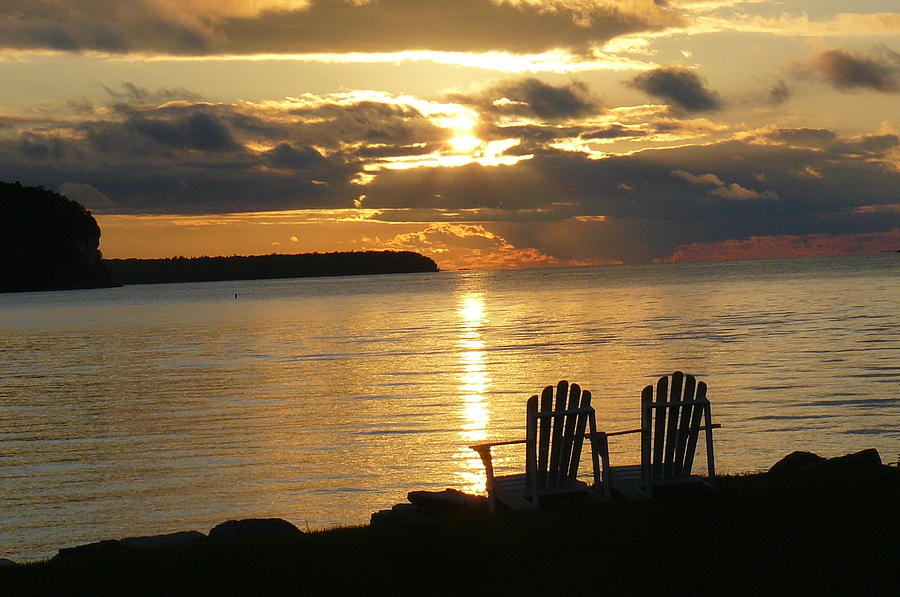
point(481, 133)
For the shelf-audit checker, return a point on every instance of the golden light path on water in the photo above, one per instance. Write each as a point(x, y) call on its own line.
point(474, 383)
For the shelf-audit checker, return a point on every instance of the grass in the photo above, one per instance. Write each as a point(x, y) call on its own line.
point(824, 534)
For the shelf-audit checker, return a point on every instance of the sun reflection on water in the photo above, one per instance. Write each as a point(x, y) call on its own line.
point(474, 382)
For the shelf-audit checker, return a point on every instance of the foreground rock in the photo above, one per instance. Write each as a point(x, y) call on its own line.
point(4, 563)
point(430, 504)
point(808, 462)
point(253, 527)
point(110, 545)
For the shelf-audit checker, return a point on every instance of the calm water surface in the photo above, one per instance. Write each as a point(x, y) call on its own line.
point(152, 409)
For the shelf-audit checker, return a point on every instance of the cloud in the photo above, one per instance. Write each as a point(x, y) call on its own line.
point(804, 137)
point(87, 196)
point(779, 93)
point(845, 70)
point(679, 87)
point(729, 191)
point(771, 247)
point(201, 27)
point(200, 130)
point(534, 98)
point(614, 131)
point(329, 151)
point(736, 191)
point(132, 93)
point(701, 179)
point(468, 246)
point(787, 24)
point(288, 156)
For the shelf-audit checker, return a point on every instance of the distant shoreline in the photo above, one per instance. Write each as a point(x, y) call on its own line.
point(261, 267)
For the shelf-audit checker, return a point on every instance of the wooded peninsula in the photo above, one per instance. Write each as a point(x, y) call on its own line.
point(208, 269)
point(49, 242)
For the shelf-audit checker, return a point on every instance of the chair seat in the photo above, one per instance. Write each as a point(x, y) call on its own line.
point(513, 491)
point(627, 481)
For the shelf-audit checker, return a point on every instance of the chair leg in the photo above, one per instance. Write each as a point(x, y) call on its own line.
point(601, 445)
point(488, 463)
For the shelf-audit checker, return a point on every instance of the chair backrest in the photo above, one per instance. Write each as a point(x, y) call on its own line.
point(670, 425)
point(554, 436)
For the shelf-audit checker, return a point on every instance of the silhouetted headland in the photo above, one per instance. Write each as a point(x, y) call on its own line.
point(47, 242)
point(259, 267)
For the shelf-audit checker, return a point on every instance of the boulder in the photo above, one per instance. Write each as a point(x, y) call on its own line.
point(253, 527)
point(109, 545)
point(398, 513)
point(807, 462)
point(438, 503)
point(105, 546)
point(179, 538)
point(4, 563)
point(794, 462)
point(865, 459)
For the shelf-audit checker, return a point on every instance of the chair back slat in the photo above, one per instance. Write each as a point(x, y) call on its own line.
point(568, 436)
point(646, 431)
point(532, 463)
point(580, 426)
point(543, 448)
point(684, 425)
point(562, 391)
point(700, 410)
point(659, 428)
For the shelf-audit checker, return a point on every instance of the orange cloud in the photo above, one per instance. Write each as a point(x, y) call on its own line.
point(773, 247)
point(468, 246)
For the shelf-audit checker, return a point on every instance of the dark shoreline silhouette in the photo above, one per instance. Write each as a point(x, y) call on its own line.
point(260, 267)
point(827, 532)
point(47, 242)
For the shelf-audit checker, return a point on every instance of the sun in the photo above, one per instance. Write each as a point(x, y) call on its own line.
point(464, 143)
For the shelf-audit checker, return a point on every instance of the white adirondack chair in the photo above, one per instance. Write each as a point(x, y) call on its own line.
point(555, 432)
point(670, 427)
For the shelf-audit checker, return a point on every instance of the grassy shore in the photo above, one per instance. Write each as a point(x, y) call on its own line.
point(826, 534)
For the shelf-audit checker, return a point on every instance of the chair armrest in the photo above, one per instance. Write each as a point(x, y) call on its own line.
point(611, 433)
point(487, 446)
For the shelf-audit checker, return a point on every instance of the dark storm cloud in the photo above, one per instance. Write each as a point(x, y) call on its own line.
point(200, 131)
point(335, 124)
point(273, 26)
point(653, 200)
point(534, 98)
point(288, 156)
point(42, 147)
point(846, 70)
point(678, 87)
point(101, 25)
point(201, 157)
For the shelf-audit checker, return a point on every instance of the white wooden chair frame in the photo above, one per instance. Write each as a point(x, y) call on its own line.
point(668, 440)
point(554, 436)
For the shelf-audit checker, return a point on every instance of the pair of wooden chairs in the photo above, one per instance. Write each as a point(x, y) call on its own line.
point(673, 414)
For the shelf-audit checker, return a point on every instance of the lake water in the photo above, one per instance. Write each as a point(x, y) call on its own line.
point(153, 409)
